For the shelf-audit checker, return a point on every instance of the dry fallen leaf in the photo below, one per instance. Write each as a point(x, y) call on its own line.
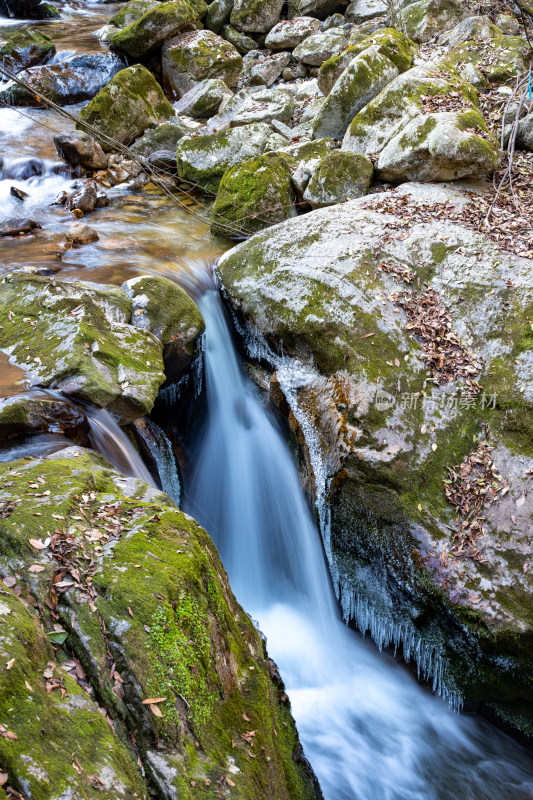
point(10, 663)
point(37, 544)
point(156, 710)
point(150, 701)
point(36, 568)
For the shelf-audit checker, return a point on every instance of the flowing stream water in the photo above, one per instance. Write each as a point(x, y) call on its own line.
point(369, 729)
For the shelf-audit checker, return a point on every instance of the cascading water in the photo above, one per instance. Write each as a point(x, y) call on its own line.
point(370, 731)
point(109, 439)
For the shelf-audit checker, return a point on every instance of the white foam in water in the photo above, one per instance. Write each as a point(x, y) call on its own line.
point(42, 188)
point(369, 729)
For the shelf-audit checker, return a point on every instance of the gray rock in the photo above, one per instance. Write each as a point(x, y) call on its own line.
point(218, 14)
point(524, 135)
point(318, 48)
point(363, 79)
point(362, 10)
point(339, 177)
point(165, 136)
point(263, 67)
point(203, 160)
point(81, 233)
point(80, 149)
point(83, 199)
point(288, 33)
point(157, 25)
point(440, 147)
point(78, 78)
point(275, 142)
point(469, 28)
point(258, 16)
point(264, 106)
point(203, 100)
point(335, 21)
point(12, 227)
point(305, 158)
point(192, 57)
point(242, 43)
point(381, 119)
point(423, 19)
point(508, 24)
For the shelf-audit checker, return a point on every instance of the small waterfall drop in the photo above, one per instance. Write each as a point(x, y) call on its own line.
point(109, 439)
point(159, 447)
point(370, 731)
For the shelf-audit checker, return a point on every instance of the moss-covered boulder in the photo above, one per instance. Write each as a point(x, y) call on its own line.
point(318, 8)
point(132, 670)
point(418, 348)
point(304, 159)
point(339, 177)
point(165, 136)
point(204, 99)
point(390, 43)
point(162, 307)
point(498, 58)
point(440, 147)
point(241, 42)
point(264, 105)
point(218, 14)
point(193, 57)
point(77, 337)
point(364, 77)
point(131, 11)
point(131, 102)
point(421, 20)
point(479, 27)
point(26, 48)
point(77, 78)
point(316, 49)
point(252, 196)
point(157, 25)
point(255, 16)
point(203, 160)
point(402, 100)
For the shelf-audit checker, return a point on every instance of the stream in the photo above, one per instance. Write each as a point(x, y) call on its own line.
point(370, 731)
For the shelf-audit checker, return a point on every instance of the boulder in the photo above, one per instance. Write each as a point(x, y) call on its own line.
point(261, 67)
point(143, 609)
point(78, 78)
point(304, 159)
point(130, 103)
point(203, 160)
point(80, 232)
point(318, 48)
point(193, 57)
point(402, 100)
point(524, 134)
point(264, 105)
point(157, 25)
point(498, 58)
point(339, 177)
point(253, 195)
point(255, 16)
point(391, 406)
point(242, 43)
point(28, 9)
point(218, 14)
point(423, 19)
point(130, 12)
point(360, 82)
point(82, 199)
point(36, 412)
point(26, 48)
point(80, 150)
point(440, 147)
point(204, 99)
point(470, 28)
point(392, 44)
point(166, 136)
point(289, 33)
point(161, 307)
point(360, 11)
point(318, 8)
point(12, 227)
point(508, 24)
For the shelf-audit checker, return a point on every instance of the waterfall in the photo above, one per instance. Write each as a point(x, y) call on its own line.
point(109, 439)
point(369, 729)
point(159, 447)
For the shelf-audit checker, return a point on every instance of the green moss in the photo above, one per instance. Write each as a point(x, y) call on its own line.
point(27, 47)
point(131, 11)
point(252, 196)
point(161, 22)
point(127, 105)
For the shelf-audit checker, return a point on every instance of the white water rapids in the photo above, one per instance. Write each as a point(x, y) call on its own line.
point(370, 731)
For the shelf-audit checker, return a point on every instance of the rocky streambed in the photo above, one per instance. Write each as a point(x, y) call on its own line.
point(383, 298)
